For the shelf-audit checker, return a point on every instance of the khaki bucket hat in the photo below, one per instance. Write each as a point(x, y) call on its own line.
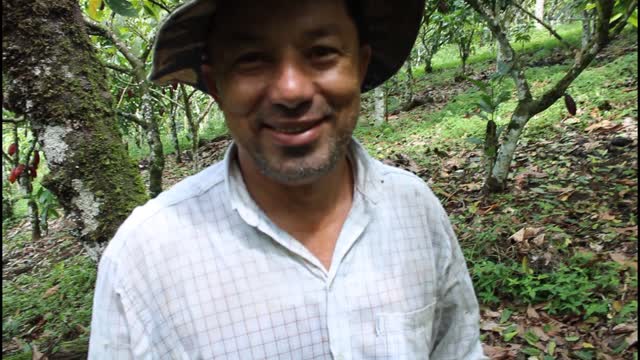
point(179, 50)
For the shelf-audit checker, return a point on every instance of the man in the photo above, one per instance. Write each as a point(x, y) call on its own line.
point(298, 245)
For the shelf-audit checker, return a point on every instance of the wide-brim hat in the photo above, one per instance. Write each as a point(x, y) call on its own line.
point(180, 45)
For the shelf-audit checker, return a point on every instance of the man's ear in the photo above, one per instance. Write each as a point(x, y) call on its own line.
point(365, 58)
point(210, 80)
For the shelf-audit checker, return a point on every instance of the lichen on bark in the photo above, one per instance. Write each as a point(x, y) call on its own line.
point(56, 80)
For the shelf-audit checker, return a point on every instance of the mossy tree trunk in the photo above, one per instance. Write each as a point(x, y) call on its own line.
point(56, 79)
point(149, 122)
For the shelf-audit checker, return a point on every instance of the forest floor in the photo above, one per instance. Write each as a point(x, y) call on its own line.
point(553, 259)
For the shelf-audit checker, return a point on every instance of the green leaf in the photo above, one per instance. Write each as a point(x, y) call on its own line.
point(484, 106)
point(531, 338)
point(475, 140)
point(506, 314)
point(615, 17)
point(572, 338)
point(531, 351)
point(92, 9)
point(122, 7)
point(633, 19)
point(481, 85)
point(584, 354)
point(503, 96)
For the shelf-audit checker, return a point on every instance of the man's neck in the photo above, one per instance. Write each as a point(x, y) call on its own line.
point(309, 204)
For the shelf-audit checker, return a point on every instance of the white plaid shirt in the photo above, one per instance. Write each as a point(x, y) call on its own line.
point(201, 272)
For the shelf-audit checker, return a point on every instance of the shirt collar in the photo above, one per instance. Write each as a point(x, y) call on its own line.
point(367, 181)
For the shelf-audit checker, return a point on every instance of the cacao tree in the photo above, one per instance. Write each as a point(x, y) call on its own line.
point(527, 106)
point(55, 79)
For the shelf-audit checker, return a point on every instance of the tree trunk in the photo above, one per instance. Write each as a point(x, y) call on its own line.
point(490, 148)
point(174, 131)
point(55, 78)
point(380, 106)
point(409, 93)
point(193, 126)
point(497, 180)
point(428, 66)
point(586, 29)
point(156, 151)
point(33, 209)
point(539, 13)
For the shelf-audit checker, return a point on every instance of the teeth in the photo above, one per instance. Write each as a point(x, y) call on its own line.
point(291, 130)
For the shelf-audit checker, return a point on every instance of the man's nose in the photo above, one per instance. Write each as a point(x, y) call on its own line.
point(292, 88)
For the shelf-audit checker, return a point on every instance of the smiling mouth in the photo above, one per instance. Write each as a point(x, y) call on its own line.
point(295, 133)
point(294, 128)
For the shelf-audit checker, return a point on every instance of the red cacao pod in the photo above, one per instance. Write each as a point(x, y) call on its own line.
point(20, 169)
point(570, 104)
point(174, 85)
point(36, 158)
point(32, 172)
point(13, 176)
point(12, 149)
point(130, 93)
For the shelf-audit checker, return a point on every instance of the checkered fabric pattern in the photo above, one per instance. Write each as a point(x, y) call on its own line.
point(200, 272)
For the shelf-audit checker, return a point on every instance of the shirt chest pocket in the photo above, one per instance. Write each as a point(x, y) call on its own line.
point(405, 335)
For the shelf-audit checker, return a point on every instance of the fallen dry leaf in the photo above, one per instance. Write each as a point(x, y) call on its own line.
point(539, 240)
point(526, 233)
point(623, 328)
point(532, 313)
point(632, 339)
point(491, 326)
point(606, 216)
point(603, 126)
point(51, 291)
point(37, 355)
point(540, 333)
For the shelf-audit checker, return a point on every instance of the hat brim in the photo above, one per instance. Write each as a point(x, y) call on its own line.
point(180, 44)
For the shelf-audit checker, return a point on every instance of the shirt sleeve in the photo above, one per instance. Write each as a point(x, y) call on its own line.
point(110, 338)
point(457, 317)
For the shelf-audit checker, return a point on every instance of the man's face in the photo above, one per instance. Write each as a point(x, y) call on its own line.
point(287, 76)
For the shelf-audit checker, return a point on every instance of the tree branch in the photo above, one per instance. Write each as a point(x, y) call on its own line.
point(117, 68)
point(623, 21)
point(7, 157)
point(206, 111)
point(546, 26)
point(134, 119)
point(97, 29)
point(161, 5)
point(583, 58)
point(13, 121)
point(510, 58)
point(31, 148)
point(147, 50)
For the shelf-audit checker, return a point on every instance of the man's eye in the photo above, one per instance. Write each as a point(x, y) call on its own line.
point(323, 52)
point(252, 58)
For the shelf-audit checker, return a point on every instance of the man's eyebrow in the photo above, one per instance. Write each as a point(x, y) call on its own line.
point(322, 31)
point(245, 38)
